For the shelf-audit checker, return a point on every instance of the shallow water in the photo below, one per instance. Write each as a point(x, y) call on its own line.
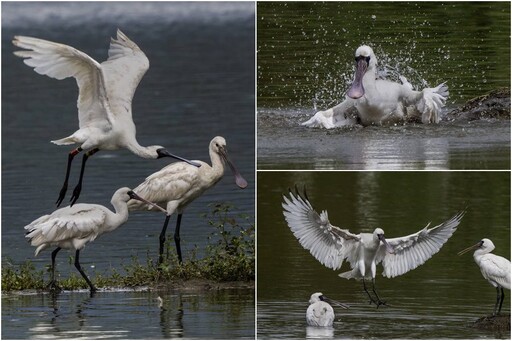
point(305, 64)
point(76, 315)
point(200, 84)
point(437, 300)
point(284, 144)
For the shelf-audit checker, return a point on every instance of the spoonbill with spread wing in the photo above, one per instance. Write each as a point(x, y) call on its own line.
point(178, 184)
point(104, 99)
point(320, 312)
point(495, 269)
point(378, 101)
point(332, 245)
point(72, 227)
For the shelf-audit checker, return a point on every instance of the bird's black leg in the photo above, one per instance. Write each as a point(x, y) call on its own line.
point(162, 240)
point(379, 301)
point(79, 268)
point(64, 188)
point(368, 293)
point(177, 238)
point(78, 188)
point(501, 301)
point(53, 283)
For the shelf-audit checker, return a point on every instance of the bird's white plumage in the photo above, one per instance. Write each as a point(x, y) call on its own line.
point(331, 245)
point(319, 313)
point(72, 227)
point(105, 90)
point(381, 101)
point(178, 184)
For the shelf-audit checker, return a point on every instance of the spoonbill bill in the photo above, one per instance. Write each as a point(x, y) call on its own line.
point(331, 245)
point(104, 99)
point(178, 184)
point(320, 312)
point(374, 101)
point(72, 227)
point(495, 269)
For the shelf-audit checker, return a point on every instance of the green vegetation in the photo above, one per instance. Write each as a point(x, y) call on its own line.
point(229, 256)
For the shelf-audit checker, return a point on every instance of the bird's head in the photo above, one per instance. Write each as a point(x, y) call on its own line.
point(483, 246)
point(316, 297)
point(218, 146)
point(379, 235)
point(365, 60)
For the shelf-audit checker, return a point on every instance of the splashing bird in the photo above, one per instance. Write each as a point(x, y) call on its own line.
point(72, 227)
point(104, 100)
point(374, 101)
point(495, 269)
point(178, 184)
point(331, 245)
point(320, 313)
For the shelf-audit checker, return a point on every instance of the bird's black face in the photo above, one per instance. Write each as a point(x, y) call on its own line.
point(321, 297)
point(480, 243)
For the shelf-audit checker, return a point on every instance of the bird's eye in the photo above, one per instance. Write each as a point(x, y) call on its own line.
point(368, 59)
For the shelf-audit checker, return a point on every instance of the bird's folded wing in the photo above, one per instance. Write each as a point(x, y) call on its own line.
point(329, 244)
point(497, 269)
point(125, 67)
point(62, 61)
point(80, 223)
point(413, 250)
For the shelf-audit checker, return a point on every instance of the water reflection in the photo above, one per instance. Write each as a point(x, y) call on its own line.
point(171, 317)
point(319, 332)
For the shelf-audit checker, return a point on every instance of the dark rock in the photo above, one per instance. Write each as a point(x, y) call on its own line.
point(496, 323)
point(494, 105)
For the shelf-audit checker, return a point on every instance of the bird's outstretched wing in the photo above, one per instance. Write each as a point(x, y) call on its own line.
point(62, 61)
point(329, 244)
point(413, 250)
point(125, 67)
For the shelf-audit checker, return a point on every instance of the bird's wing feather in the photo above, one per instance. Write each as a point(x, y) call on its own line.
point(62, 61)
point(496, 268)
point(329, 244)
point(68, 223)
point(125, 67)
point(413, 250)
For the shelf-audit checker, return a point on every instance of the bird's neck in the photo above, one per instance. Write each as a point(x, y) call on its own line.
point(217, 164)
point(143, 152)
point(119, 217)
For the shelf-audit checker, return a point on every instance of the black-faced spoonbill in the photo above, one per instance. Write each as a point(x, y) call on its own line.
point(377, 101)
point(104, 99)
point(320, 312)
point(72, 227)
point(331, 245)
point(495, 269)
point(178, 184)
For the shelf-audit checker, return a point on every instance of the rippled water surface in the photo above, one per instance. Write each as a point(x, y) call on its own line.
point(437, 300)
point(200, 84)
point(305, 64)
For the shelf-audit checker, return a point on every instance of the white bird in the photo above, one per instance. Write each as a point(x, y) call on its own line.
point(104, 100)
point(72, 227)
point(371, 100)
point(178, 184)
point(332, 245)
point(320, 312)
point(495, 269)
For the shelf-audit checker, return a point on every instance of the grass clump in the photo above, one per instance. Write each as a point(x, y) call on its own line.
point(229, 256)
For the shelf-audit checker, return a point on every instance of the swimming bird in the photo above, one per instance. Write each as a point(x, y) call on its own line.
point(331, 245)
point(320, 312)
point(178, 184)
point(72, 227)
point(495, 269)
point(104, 99)
point(374, 101)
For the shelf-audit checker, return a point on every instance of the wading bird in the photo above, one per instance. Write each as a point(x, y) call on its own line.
point(377, 101)
point(320, 312)
point(178, 184)
point(332, 245)
point(495, 269)
point(72, 227)
point(104, 99)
